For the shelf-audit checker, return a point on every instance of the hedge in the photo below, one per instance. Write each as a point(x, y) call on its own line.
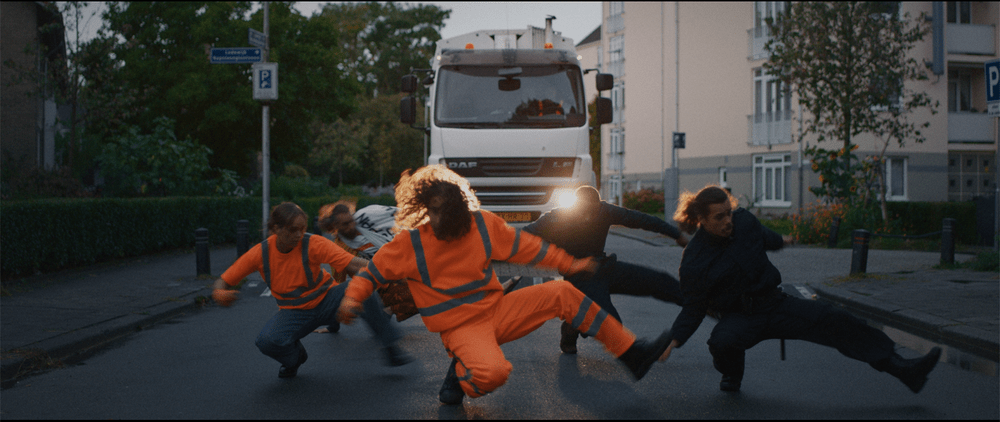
point(52, 234)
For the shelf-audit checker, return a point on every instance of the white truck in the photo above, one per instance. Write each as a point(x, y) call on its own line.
point(507, 111)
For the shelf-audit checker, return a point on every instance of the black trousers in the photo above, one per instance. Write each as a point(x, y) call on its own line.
point(615, 277)
point(792, 318)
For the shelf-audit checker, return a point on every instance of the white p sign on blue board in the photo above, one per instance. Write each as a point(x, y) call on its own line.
point(992, 73)
point(265, 81)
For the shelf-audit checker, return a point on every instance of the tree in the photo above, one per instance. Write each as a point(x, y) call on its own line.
point(850, 65)
point(161, 50)
point(384, 41)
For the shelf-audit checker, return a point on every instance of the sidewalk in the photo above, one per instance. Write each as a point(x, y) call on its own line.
point(61, 318)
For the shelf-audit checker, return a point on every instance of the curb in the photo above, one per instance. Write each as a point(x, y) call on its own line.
point(78, 345)
point(919, 323)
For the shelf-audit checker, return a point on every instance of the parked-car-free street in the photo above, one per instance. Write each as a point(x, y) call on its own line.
point(204, 365)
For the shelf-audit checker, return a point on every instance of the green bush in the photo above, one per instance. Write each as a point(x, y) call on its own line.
point(649, 201)
point(905, 218)
point(52, 234)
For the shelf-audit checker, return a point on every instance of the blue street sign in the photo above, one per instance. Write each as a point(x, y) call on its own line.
point(992, 76)
point(256, 38)
point(235, 55)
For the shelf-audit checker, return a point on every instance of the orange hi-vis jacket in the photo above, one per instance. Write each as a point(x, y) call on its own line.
point(290, 275)
point(453, 282)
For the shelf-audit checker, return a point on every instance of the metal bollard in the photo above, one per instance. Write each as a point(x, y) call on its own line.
point(242, 237)
point(947, 241)
point(201, 251)
point(834, 230)
point(859, 255)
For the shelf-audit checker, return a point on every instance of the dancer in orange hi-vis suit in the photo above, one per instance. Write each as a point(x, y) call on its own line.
point(445, 255)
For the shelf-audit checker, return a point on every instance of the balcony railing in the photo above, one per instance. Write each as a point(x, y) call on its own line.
point(756, 39)
point(769, 128)
point(970, 127)
point(970, 39)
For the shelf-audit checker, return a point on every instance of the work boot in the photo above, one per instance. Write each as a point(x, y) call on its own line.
point(568, 341)
point(641, 355)
point(394, 356)
point(730, 383)
point(451, 392)
point(286, 372)
point(913, 372)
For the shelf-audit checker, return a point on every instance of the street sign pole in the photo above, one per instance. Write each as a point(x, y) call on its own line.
point(266, 141)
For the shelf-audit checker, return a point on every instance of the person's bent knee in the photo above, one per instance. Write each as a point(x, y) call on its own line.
point(485, 380)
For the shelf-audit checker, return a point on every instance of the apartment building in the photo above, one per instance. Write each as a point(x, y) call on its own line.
point(696, 68)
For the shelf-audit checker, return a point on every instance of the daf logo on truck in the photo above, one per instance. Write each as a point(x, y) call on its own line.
point(507, 109)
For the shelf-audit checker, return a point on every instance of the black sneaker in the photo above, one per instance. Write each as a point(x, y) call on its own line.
point(641, 355)
point(286, 372)
point(913, 372)
point(730, 383)
point(394, 356)
point(567, 343)
point(451, 392)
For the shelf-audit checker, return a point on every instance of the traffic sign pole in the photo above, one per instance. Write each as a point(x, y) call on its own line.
point(266, 142)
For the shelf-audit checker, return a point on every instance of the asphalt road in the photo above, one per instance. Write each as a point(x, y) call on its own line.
point(203, 365)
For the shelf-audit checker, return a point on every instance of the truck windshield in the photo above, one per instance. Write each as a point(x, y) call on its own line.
point(480, 96)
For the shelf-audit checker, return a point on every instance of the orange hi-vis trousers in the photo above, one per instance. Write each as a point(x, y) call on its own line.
point(481, 366)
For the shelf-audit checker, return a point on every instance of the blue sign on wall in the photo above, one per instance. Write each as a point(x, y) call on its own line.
point(235, 55)
point(992, 76)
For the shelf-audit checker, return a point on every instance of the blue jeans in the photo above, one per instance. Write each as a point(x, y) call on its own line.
point(280, 336)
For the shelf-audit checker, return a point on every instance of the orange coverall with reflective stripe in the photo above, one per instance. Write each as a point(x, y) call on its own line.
point(458, 295)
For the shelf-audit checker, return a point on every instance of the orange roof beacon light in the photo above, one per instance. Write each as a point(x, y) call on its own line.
point(469, 46)
point(548, 45)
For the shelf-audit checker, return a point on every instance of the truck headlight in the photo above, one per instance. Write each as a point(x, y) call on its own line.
point(566, 197)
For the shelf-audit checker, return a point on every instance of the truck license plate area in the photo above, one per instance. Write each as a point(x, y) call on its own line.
point(514, 217)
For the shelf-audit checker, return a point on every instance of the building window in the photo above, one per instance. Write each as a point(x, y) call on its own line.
point(772, 101)
point(723, 177)
point(600, 59)
point(895, 178)
point(959, 11)
point(616, 56)
point(771, 180)
point(763, 10)
point(616, 150)
point(618, 102)
point(615, 20)
point(971, 174)
point(959, 90)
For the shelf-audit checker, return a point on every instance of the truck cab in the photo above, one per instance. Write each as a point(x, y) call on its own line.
point(507, 111)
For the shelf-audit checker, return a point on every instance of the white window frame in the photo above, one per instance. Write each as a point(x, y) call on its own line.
point(771, 100)
point(891, 164)
point(723, 177)
point(776, 189)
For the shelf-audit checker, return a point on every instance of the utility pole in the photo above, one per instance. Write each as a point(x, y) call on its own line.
point(266, 139)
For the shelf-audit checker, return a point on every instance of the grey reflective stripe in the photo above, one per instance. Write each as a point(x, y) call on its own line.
point(305, 262)
point(292, 297)
point(371, 274)
point(470, 286)
point(451, 304)
point(517, 243)
point(484, 233)
point(418, 249)
point(581, 313)
point(305, 299)
point(596, 325)
point(267, 268)
point(541, 254)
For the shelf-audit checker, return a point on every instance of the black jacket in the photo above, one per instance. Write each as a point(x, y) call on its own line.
point(721, 273)
point(586, 240)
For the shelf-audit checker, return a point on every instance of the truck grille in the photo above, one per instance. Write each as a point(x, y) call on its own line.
point(493, 195)
point(513, 166)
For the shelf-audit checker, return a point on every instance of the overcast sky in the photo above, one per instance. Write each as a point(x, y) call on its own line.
point(575, 20)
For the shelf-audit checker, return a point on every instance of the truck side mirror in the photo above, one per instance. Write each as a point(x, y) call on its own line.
point(409, 85)
point(605, 81)
point(408, 109)
point(604, 110)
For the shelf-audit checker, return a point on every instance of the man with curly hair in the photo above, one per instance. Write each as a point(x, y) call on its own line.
point(446, 256)
point(725, 267)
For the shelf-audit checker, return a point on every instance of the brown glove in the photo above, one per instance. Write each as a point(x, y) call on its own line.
point(224, 297)
point(397, 297)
